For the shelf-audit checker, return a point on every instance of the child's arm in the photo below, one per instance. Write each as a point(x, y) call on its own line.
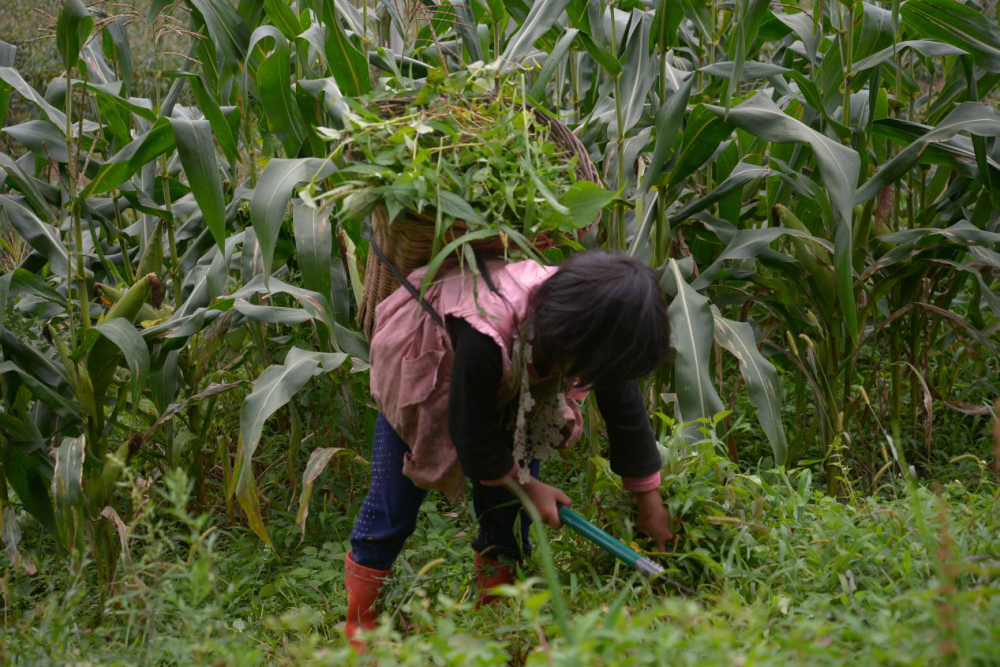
point(635, 457)
point(483, 445)
point(633, 450)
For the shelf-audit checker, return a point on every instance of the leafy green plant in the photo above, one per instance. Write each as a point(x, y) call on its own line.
point(468, 149)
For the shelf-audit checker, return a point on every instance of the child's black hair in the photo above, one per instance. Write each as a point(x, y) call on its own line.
point(602, 314)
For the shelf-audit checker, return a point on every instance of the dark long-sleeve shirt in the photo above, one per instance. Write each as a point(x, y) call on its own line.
point(477, 424)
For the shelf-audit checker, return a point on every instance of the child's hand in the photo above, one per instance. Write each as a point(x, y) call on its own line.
point(654, 518)
point(546, 500)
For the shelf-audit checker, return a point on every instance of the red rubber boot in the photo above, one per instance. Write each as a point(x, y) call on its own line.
point(490, 573)
point(362, 585)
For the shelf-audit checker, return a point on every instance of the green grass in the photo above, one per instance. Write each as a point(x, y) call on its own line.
point(773, 572)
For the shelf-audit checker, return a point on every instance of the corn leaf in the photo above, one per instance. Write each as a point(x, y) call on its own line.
point(691, 334)
point(271, 391)
point(760, 376)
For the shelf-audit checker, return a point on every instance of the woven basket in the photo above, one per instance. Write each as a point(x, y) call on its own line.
point(407, 242)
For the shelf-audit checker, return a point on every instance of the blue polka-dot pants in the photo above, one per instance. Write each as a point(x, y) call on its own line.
point(388, 515)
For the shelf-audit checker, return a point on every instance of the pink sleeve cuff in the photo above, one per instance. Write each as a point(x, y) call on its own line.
point(642, 484)
point(503, 480)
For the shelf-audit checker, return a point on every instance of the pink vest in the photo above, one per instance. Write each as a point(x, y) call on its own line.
point(411, 359)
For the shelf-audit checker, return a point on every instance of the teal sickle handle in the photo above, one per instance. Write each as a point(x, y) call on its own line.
point(615, 547)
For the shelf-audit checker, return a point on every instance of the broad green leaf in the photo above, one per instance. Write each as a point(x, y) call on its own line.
point(72, 29)
point(629, 152)
point(749, 15)
point(125, 163)
point(347, 64)
point(446, 252)
point(123, 334)
point(703, 132)
point(33, 360)
point(912, 241)
point(29, 186)
point(11, 536)
point(27, 476)
point(21, 432)
point(697, 12)
point(576, 12)
point(751, 70)
point(455, 206)
point(269, 202)
point(668, 122)
point(271, 391)
point(399, 66)
point(539, 20)
point(67, 491)
point(116, 32)
point(283, 17)
point(601, 55)
point(637, 76)
point(666, 21)
point(13, 78)
point(926, 47)
point(691, 334)
point(957, 154)
point(42, 138)
point(741, 175)
point(746, 244)
point(112, 94)
point(972, 117)
point(5, 281)
point(317, 305)
point(164, 383)
point(540, 185)
point(957, 24)
point(962, 232)
point(552, 61)
point(61, 403)
point(197, 153)
point(465, 23)
point(327, 90)
point(274, 82)
point(208, 106)
point(227, 28)
point(989, 295)
point(271, 314)
point(22, 281)
point(761, 378)
point(314, 243)
point(40, 235)
point(802, 25)
point(103, 352)
point(839, 166)
point(7, 53)
point(155, 7)
point(318, 460)
point(585, 201)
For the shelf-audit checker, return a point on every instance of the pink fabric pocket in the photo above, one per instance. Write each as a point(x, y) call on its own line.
point(418, 377)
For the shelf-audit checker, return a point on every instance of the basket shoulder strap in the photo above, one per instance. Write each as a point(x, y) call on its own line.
point(398, 275)
point(414, 292)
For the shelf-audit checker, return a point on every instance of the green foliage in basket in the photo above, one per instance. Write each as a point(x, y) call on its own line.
point(465, 147)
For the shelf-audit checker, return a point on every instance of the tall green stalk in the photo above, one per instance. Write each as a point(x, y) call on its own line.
point(81, 276)
point(619, 225)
